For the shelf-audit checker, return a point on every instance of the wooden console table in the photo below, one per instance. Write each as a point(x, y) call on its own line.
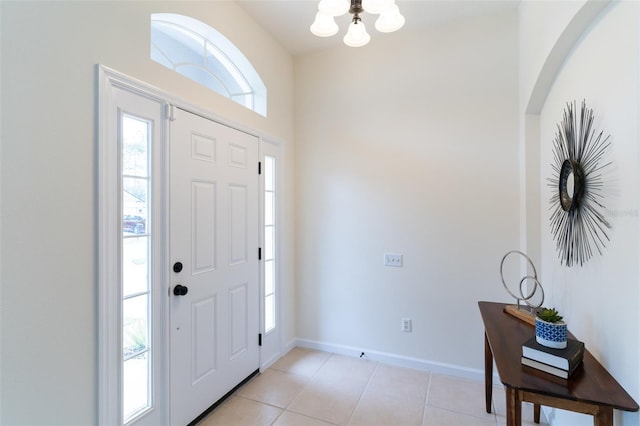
point(590, 390)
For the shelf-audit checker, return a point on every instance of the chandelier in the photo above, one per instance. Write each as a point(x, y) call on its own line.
point(325, 25)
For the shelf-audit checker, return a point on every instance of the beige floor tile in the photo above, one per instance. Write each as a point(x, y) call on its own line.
point(394, 396)
point(321, 389)
point(274, 387)
point(346, 371)
point(387, 411)
point(239, 411)
point(399, 382)
point(294, 419)
point(328, 402)
point(459, 395)
point(301, 361)
point(434, 416)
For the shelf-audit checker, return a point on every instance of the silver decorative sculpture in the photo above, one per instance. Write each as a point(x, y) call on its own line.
point(521, 297)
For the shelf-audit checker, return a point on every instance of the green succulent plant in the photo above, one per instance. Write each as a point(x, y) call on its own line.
point(549, 315)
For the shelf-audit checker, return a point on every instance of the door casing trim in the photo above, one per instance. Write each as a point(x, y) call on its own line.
point(108, 317)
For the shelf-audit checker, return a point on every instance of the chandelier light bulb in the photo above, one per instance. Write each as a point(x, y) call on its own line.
point(357, 35)
point(390, 20)
point(377, 6)
point(324, 25)
point(333, 7)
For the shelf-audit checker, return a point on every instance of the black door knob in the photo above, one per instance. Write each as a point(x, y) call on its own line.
point(180, 290)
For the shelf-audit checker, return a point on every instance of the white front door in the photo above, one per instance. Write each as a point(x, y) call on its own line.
point(213, 252)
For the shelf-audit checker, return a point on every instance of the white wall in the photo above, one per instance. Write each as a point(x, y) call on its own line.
point(548, 32)
point(541, 24)
point(541, 28)
point(601, 299)
point(407, 145)
point(49, 255)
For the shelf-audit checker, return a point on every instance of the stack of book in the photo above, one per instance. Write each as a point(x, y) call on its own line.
point(559, 362)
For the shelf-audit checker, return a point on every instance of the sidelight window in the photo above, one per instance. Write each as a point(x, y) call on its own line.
point(135, 278)
point(270, 243)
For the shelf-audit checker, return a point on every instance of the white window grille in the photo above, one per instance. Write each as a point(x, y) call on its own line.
point(202, 54)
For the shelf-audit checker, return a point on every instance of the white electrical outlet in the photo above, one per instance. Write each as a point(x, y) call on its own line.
point(393, 259)
point(406, 325)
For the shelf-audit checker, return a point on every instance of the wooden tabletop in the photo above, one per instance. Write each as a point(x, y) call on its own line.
point(590, 383)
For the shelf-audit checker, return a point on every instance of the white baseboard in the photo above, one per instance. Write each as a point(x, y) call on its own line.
point(292, 344)
point(393, 359)
point(269, 362)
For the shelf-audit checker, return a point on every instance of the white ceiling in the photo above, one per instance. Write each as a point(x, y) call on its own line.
point(289, 20)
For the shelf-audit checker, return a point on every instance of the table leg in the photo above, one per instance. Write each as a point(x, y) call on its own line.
point(514, 407)
point(488, 373)
point(604, 417)
point(536, 413)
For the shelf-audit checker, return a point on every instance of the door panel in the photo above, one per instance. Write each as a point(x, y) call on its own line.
point(203, 234)
point(214, 233)
point(238, 216)
point(203, 341)
point(238, 315)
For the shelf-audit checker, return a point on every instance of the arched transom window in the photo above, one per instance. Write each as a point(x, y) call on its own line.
point(205, 56)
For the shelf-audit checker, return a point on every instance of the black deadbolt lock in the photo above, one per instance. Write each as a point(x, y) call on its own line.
point(177, 267)
point(180, 290)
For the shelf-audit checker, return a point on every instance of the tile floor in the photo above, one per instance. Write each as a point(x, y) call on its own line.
point(313, 388)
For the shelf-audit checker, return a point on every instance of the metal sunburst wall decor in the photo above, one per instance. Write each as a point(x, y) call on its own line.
point(578, 224)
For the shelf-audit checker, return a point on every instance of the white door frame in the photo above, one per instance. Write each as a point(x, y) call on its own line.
point(109, 263)
point(109, 323)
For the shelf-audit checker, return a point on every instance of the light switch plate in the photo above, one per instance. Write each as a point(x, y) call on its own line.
point(406, 325)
